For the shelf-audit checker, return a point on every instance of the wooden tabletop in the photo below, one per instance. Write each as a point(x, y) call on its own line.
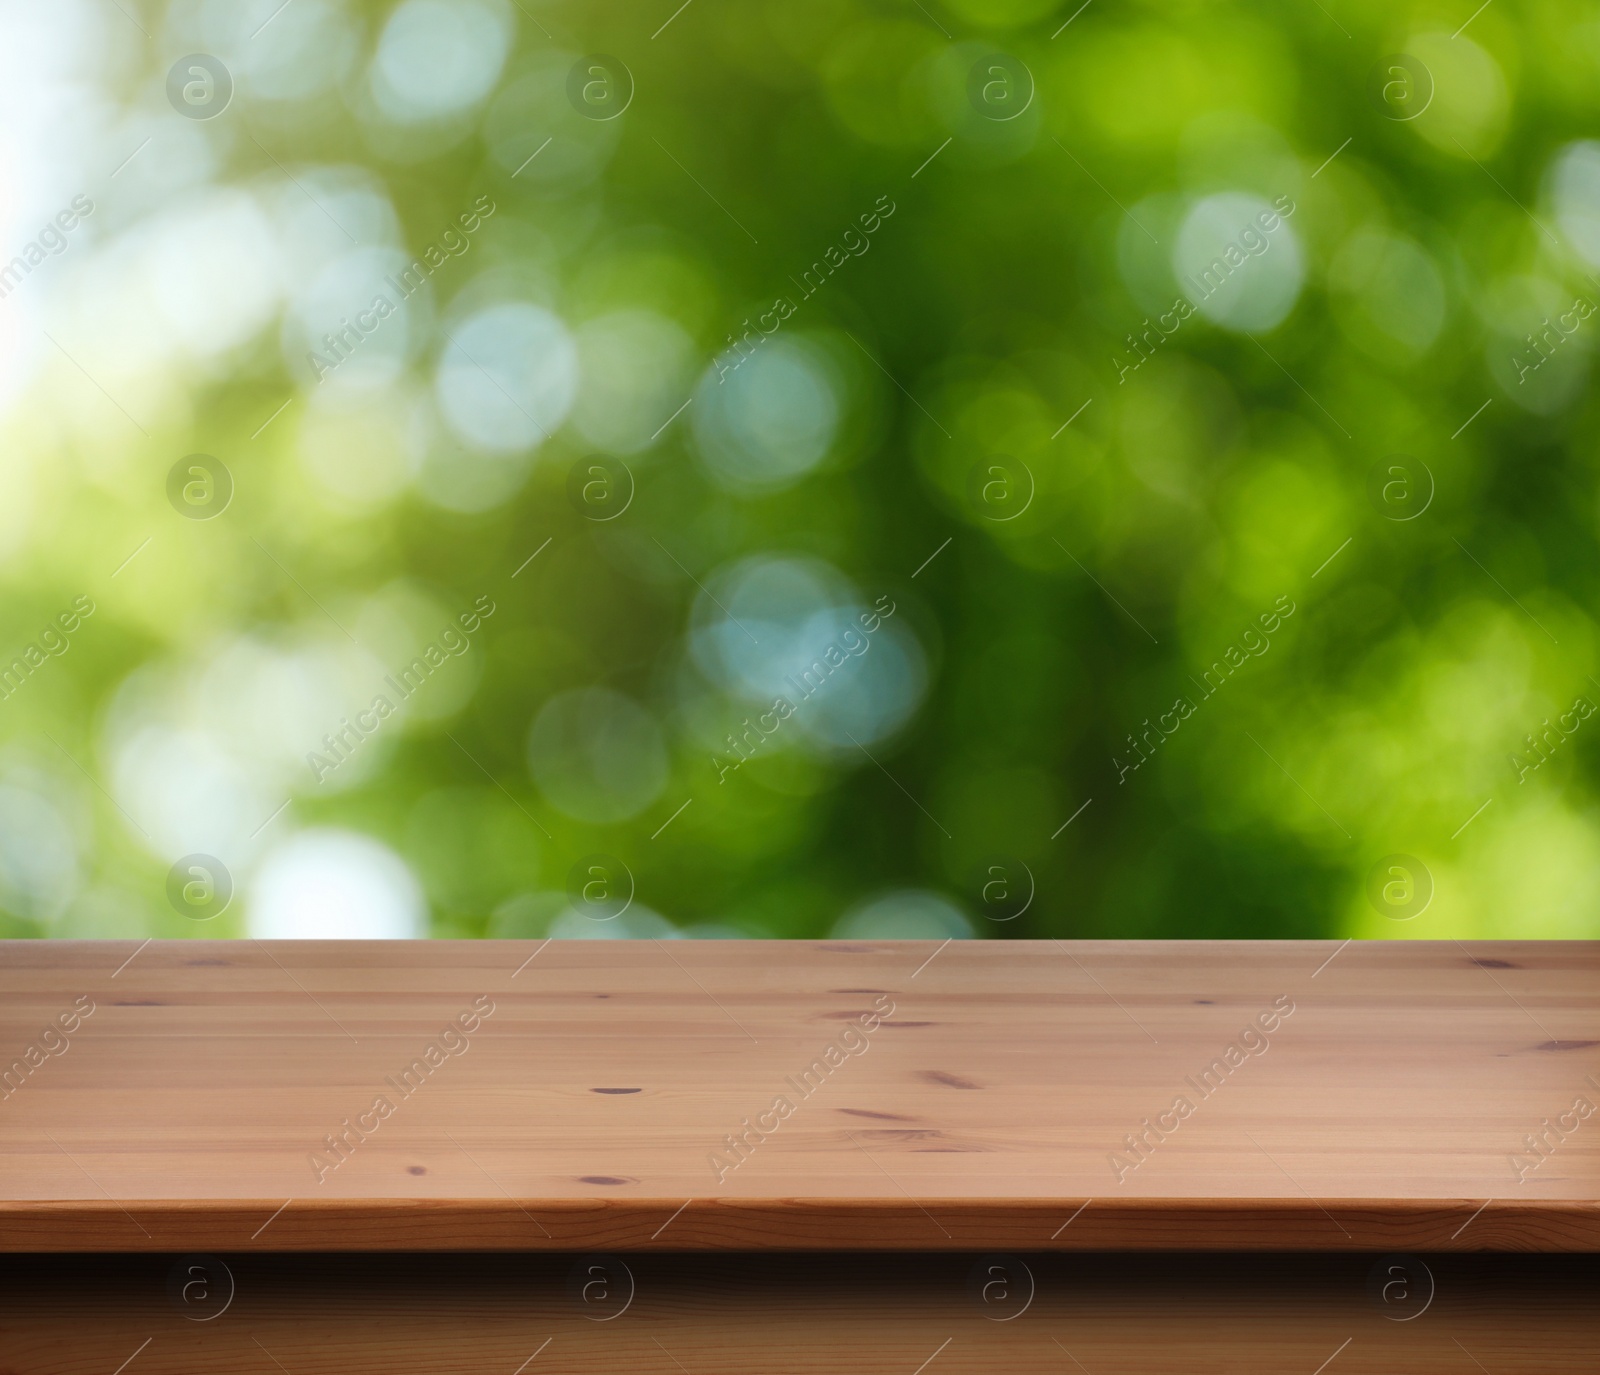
point(866, 1095)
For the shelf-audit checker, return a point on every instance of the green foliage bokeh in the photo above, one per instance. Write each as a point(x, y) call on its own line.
point(998, 335)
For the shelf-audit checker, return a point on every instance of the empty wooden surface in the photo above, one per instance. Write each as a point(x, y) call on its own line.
point(1226, 1314)
point(988, 1107)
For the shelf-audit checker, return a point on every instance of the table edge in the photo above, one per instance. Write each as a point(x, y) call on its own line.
point(772, 1224)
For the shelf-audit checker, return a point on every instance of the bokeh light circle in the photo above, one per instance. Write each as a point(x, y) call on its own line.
point(1238, 261)
point(438, 57)
point(773, 627)
point(597, 755)
point(335, 885)
point(762, 420)
point(507, 377)
point(909, 914)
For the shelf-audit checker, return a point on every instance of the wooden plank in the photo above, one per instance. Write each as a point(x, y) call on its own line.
point(973, 1095)
point(832, 1315)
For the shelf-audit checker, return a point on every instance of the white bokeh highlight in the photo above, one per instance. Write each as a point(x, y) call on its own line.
point(334, 885)
point(1235, 271)
point(762, 422)
point(909, 914)
point(507, 377)
point(436, 58)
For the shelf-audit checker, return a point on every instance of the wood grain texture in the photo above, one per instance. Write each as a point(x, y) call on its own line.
point(1228, 1314)
point(987, 1102)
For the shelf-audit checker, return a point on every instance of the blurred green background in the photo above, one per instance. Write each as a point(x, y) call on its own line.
point(972, 467)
